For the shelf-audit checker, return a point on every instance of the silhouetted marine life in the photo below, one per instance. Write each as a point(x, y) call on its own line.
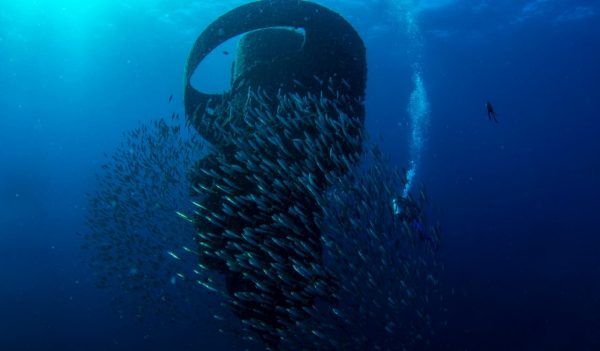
point(348, 275)
point(387, 288)
point(491, 112)
point(133, 223)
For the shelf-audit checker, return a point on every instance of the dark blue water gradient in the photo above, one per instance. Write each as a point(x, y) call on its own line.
point(518, 199)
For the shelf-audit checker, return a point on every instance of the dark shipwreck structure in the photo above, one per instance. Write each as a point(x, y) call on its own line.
point(291, 124)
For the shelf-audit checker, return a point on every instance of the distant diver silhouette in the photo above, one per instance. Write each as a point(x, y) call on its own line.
point(490, 111)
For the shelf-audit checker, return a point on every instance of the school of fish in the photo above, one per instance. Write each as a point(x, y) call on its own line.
point(293, 229)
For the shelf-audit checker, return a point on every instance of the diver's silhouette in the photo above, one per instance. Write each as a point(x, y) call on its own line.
point(490, 111)
point(408, 211)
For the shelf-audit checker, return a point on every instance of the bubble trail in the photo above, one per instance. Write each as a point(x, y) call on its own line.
point(418, 110)
point(418, 107)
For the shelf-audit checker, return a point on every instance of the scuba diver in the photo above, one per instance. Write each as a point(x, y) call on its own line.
point(408, 211)
point(490, 111)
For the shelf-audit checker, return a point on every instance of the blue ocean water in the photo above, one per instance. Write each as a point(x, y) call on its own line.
point(517, 200)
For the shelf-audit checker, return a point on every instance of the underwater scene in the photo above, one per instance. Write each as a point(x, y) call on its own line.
point(299, 175)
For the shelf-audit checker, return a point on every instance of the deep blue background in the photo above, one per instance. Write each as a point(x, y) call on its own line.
point(518, 200)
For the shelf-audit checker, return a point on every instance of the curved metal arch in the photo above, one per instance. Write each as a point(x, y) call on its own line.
point(326, 33)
